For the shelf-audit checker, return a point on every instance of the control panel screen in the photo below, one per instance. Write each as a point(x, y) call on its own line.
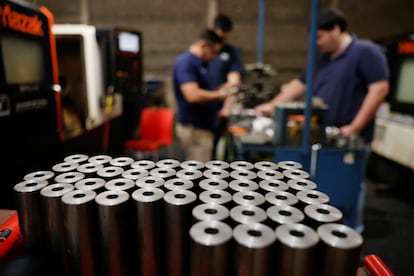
point(128, 42)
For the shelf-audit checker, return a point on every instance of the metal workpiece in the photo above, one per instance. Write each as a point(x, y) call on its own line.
point(121, 184)
point(69, 177)
point(168, 163)
point(135, 174)
point(143, 164)
point(39, 175)
point(113, 232)
point(210, 248)
point(247, 214)
point(216, 196)
point(90, 169)
point(243, 175)
point(273, 185)
point(296, 185)
point(216, 174)
point(254, 250)
point(217, 165)
point(65, 167)
point(80, 224)
point(307, 197)
point(194, 175)
point(178, 184)
point(270, 175)
point(210, 211)
point(192, 165)
point(51, 201)
point(249, 198)
point(122, 161)
point(150, 181)
point(289, 165)
point(28, 204)
point(93, 184)
point(110, 172)
point(281, 198)
point(164, 173)
point(149, 217)
point(283, 214)
point(241, 165)
point(240, 185)
point(213, 184)
point(178, 218)
point(340, 251)
point(100, 159)
point(318, 214)
point(76, 158)
point(295, 174)
point(265, 165)
point(296, 247)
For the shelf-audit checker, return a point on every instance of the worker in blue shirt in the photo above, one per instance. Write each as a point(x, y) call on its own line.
point(351, 77)
point(226, 68)
point(196, 98)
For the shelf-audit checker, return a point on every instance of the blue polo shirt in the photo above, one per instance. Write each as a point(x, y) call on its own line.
point(342, 82)
point(189, 68)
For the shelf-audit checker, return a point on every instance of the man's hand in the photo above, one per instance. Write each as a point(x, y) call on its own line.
point(266, 108)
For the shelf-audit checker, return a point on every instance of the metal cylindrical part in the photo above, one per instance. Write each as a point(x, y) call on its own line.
point(318, 214)
point(239, 185)
point(178, 208)
point(51, 199)
point(296, 185)
point(113, 220)
point(92, 184)
point(80, 221)
point(210, 211)
point(135, 174)
point(122, 162)
point(121, 184)
point(150, 181)
point(76, 158)
point(168, 163)
point(217, 165)
point(254, 249)
point(210, 248)
point(289, 165)
point(295, 174)
point(216, 174)
point(192, 165)
point(341, 248)
point(111, 172)
point(281, 198)
point(178, 184)
point(100, 159)
point(247, 214)
point(193, 175)
point(29, 211)
point(39, 175)
point(65, 167)
point(270, 175)
point(283, 214)
point(69, 177)
point(241, 165)
point(143, 164)
point(148, 205)
point(296, 249)
point(265, 165)
point(243, 175)
point(216, 196)
point(164, 173)
point(90, 169)
point(273, 185)
point(249, 198)
point(307, 197)
point(213, 184)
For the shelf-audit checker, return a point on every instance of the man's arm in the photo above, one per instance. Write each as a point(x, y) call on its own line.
point(289, 92)
point(194, 94)
point(377, 91)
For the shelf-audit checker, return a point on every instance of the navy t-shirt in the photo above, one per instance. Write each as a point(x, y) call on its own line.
point(189, 68)
point(342, 82)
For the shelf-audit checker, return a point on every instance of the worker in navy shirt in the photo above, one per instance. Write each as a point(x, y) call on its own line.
point(196, 98)
point(351, 77)
point(227, 68)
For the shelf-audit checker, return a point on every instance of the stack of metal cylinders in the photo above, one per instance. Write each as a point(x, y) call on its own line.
point(99, 215)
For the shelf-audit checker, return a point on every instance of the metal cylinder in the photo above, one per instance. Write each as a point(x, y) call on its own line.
point(178, 184)
point(89, 169)
point(76, 158)
point(39, 175)
point(240, 185)
point(340, 251)
point(241, 165)
point(307, 197)
point(281, 198)
point(243, 175)
point(295, 174)
point(121, 184)
point(216, 174)
point(51, 199)
point(193, 175)
point(100, 159)
point(113, 223)
point(123, 162)
point(247, 214)
point(135, 174)
point(318, 214)
point(27, 194)
point(110, 172)
point(65, 167)
point(270, 175)
point(92, 184)
point(265, 165)
point(149, 218)
point(210, 211)
point(249, 198)
point(273, 185)
point(216, 196)
point(213, 184)
point(168, 163)
point(192, 165)
point(143, 165)
point(210, 248)
point(217, 165)
point(283, 214)
point(296, 185)
point(150, 181)
point(164, 173)
point(289, 165)
point(69, 177)
point(254, 249)
point(296, 249)
point(80, 221)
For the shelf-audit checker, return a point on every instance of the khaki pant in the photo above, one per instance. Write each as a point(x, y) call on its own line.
point(196, 143)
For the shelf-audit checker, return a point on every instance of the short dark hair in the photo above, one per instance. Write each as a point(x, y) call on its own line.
point(210, 36)
point(223, 22)
point(329, 18)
